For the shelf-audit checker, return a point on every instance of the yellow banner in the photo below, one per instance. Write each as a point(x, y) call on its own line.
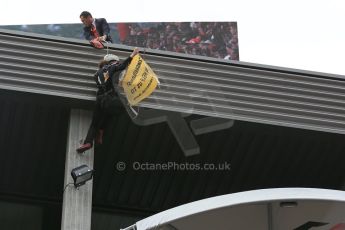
point(139, 81)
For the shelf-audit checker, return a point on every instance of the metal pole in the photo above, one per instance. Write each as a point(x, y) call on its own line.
point(77, 203)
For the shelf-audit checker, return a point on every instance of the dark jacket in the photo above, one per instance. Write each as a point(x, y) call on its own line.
point(114, 70)
point(102, 28)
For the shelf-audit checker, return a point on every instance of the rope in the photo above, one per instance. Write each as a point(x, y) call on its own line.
point(107, 43)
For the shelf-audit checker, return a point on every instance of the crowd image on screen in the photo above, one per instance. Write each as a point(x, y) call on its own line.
point(212, 39)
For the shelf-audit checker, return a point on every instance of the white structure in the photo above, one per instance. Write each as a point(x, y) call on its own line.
point(267, 209)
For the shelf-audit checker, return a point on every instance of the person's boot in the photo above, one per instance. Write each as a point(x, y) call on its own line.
point(84, 147)
point(99, 137)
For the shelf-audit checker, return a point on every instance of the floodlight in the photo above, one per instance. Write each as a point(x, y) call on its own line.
point(81, 174)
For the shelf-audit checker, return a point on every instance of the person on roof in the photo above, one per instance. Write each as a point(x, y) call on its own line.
point(107, 103)
point(95, 27)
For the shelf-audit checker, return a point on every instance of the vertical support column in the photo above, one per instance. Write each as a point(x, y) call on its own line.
point(77, 203)
point(269, 216)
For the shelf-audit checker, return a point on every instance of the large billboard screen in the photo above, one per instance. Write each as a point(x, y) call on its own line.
point(211, 39)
